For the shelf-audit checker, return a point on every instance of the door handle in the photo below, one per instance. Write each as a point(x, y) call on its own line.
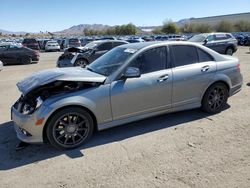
point(163, 78)
point(205, 68)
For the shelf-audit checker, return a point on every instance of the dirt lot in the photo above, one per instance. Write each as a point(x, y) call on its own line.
point(186, 149)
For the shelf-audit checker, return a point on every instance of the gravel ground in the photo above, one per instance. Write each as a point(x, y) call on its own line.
point(185, 149)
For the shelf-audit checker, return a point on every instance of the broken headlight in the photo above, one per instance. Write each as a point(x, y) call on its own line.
point(29, 108)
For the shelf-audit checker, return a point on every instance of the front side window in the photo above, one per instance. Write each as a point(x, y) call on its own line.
point(184, 55)
point(210, 38)
point(151, 60)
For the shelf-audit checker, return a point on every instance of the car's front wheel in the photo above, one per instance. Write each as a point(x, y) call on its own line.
point(70, 128)
point(215, 98)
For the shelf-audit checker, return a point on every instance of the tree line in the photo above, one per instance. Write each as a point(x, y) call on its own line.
point(170, 27)
point(128, 29)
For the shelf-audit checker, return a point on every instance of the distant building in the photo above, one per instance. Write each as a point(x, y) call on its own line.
point(213, 20)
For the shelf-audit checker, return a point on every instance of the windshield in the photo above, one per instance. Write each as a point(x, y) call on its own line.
point(198, 38)
point(111, 61)
point(91, 45)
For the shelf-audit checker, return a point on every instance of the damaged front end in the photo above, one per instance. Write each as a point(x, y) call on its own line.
point(69, 55)
point(32, 109)
point(29, 103)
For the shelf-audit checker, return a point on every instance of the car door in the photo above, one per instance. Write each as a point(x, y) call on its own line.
point(10, 55)
point(147, 94)
point(211, 43)
point(192, 72)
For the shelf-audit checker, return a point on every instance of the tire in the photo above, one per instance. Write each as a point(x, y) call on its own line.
point(215, 98)
point(81, 62)
point(69, 128)
point(26, 60)
point(229, 51)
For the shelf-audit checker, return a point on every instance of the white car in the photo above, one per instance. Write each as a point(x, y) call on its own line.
point(1, 65)
point(52, 46)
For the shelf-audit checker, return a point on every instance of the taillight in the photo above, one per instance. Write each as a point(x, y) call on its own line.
point(238, 67)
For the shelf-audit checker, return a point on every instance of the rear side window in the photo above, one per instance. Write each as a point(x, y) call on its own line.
point(151, 60)
point(105, 46)
point(204, 56)
point(184, 55)
point(220, 36)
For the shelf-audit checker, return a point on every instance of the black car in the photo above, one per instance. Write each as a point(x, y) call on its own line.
point(13, 54)
point(83, 56)
point(223, 43)
point(31, 43)
point(243, 40)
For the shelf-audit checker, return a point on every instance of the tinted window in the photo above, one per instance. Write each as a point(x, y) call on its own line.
point(220, 37)
point(151, 60)
point(29, 41)
point(229, 36)
point(74, 41)
point(210, 38)
point(118, 43)
point(3, 47)
point(204, 56)
point(184, 55)
point(105, 46)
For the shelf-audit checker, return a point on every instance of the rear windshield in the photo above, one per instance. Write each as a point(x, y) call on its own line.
point(73, 41)
point(29, 41)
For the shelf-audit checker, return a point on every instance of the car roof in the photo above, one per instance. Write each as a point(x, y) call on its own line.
point(142, 45)
point(101, 41)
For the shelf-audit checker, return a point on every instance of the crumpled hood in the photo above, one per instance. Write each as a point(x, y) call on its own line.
point(62, 74)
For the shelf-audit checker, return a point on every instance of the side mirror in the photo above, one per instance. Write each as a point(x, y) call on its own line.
point(205, 41)
point(132, 72)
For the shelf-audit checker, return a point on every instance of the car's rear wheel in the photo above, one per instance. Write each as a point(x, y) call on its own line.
point(70, 128)
point(81, 62)
point(215, 98)
point(229, 51)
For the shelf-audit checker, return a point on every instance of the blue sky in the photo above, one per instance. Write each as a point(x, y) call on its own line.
point(55, 15)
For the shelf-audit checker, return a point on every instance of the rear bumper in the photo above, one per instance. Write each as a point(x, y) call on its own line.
point(36, 58)
point(235, 90)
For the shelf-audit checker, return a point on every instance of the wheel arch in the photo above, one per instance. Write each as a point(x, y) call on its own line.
point(230, 46)
point(65, 107)
point(84, 58)
point(215, 82)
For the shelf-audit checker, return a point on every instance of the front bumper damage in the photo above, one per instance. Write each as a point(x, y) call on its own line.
point(25, 125)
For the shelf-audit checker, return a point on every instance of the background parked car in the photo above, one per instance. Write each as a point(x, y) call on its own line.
point(31, 43)
point(52, 45)
point(1, 65)
point(12, 54)
point(223, 43)
point(87, 54)
point(71, 42)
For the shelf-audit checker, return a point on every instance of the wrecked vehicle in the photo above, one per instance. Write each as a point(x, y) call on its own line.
point(82, 56)
point(129, 83)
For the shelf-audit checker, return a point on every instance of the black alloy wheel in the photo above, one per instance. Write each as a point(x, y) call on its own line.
point(70, 128)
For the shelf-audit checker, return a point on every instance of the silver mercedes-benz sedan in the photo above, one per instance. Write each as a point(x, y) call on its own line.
point(129, 83)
